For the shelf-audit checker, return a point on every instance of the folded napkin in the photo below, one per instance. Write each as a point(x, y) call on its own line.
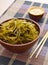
point(4, 4)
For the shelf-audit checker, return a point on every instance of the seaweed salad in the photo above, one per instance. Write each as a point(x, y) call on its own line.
point(18, 31)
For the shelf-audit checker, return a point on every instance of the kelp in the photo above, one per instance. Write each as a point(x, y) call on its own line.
point(18, 31)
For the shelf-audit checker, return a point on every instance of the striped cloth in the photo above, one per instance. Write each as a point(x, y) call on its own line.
point(20, 9)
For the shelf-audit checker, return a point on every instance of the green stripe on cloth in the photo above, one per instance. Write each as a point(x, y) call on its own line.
point(4, 60)
point(36, 4)
point(27, 2)
point(45, 5)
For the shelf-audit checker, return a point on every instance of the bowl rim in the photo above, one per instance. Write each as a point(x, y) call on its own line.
point(27, 42)
point(36, 7)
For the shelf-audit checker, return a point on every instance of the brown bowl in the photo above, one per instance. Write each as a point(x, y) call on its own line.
point(19, 48)
point(36, 13)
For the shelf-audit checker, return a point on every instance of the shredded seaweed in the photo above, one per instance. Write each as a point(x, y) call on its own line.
point(18, 31)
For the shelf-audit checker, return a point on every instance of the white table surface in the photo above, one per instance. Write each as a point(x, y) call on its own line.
point(4, 4)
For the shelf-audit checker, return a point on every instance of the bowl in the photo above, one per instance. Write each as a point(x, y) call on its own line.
point(20, 48)
point(36, 13)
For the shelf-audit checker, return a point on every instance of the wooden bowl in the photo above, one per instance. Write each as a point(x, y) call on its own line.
point(36, 13)
point(19, 48)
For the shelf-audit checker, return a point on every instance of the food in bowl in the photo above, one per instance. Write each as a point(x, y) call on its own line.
point(36, 12)
point(12, 32)
point(18, 31)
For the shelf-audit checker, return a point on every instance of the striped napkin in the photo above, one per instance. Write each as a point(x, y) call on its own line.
point(19, 9)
